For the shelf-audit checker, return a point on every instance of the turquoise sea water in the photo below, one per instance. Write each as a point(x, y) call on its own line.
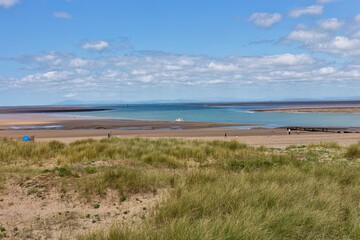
point(234, 114)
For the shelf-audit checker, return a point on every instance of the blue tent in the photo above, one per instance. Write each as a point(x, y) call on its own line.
point(26, 138)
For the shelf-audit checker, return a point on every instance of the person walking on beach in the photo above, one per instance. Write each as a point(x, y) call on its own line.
point(289, 131)
point(225, 135)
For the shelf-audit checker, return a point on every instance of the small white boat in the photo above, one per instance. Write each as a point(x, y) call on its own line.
point(179, 120)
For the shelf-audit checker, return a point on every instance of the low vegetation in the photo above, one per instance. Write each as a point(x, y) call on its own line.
point(353, 152)
point(215, 189)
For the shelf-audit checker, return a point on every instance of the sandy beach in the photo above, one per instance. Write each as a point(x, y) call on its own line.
point(77, 128)
point(253, 137)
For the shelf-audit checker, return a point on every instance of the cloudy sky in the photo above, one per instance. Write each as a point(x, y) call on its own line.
point(140, 50)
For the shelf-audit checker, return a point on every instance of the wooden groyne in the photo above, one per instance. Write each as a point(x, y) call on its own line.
point(326, 129)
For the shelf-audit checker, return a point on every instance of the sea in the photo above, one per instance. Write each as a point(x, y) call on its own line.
point(242, 113)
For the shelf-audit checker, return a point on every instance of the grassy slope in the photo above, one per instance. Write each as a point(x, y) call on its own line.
point(217, 190)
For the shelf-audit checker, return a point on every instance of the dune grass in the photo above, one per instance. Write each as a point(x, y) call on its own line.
point(353, 151)
point(124, 180)
point(161, 152)
point(308, 201)
point(216, 189)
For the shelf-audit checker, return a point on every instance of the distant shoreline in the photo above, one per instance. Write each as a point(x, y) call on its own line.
point(50, 109)
point(271, 103)
point(325, 109)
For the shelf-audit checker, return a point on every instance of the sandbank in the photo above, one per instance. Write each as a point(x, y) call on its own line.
point(327, 109)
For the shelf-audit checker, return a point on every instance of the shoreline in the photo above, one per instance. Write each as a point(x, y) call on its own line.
point(46, 121)
point(75, 128)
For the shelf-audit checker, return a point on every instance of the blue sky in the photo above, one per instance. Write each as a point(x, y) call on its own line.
point(137, 50)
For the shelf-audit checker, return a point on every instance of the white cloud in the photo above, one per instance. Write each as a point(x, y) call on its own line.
point(8, 3)
point(138, 72)
point(322, 38)
point(341, 42)
point(288, 74)
point(156, 70)
point(70, 95)
point(330, 24)
point(268, 63)
point(357, 35)
point(222, 67)
point(46, 60)
point(324, 1)
point(327, 70)
point(357, 18)
point(78, 62)
point(45, 78)
point(64, 15)
point(325, 41)
point(340, 45)
point(146, 78)
point(96, 45)
point(310, 10)
point(287, 59)
point(306, 36)
point(348, 73)
point(265, 20)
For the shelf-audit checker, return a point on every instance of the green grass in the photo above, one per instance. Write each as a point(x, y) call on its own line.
point(316, 201)
point(216, 189)
point(124, 180)
point(353, 151)
point(161, 152)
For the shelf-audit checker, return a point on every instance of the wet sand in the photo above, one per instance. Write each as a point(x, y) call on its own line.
point(68, 122)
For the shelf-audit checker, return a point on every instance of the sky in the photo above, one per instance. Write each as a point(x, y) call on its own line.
point(176, 50)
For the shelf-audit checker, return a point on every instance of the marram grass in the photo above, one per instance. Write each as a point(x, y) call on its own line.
point(353, 151)
point(216, 189)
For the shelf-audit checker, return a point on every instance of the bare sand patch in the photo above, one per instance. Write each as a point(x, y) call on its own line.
point(37, 208)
